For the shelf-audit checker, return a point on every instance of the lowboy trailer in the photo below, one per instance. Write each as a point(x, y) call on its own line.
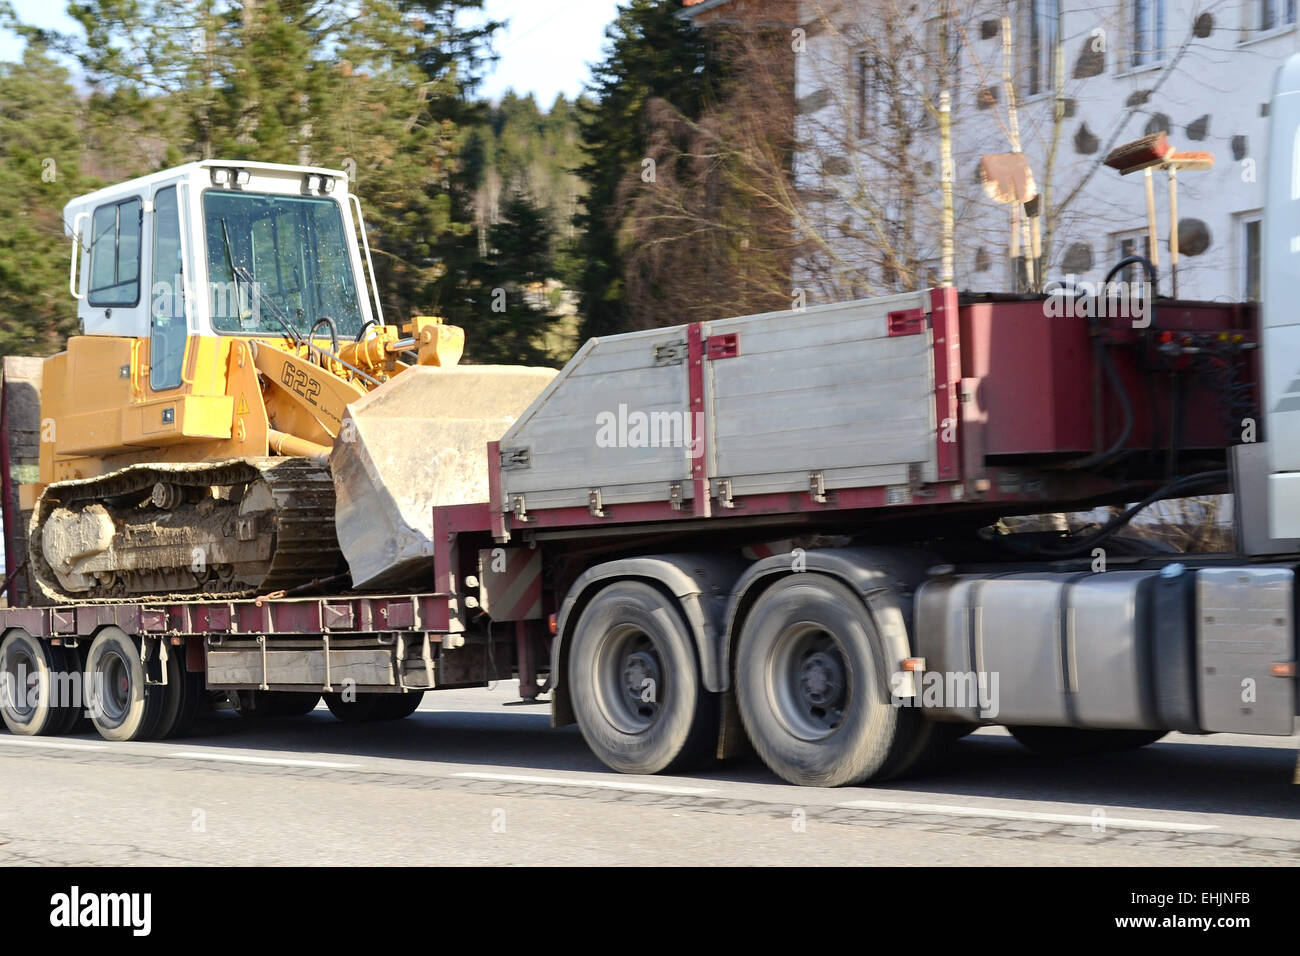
point(789, 532)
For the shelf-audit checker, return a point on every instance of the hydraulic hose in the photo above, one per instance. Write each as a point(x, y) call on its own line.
point(1076, 546)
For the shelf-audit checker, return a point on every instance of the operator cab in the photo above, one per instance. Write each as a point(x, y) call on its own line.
point(219, 247)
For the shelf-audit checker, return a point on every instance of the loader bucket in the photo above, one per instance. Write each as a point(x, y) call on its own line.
point(416, 442)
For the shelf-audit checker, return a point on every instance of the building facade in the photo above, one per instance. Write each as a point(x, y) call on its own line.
point(1061, 81)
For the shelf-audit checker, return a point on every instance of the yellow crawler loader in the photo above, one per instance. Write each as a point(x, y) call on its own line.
point(236, 416)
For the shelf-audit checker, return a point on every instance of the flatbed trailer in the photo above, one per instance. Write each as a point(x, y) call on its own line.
point(795, 561)
point(794, 532)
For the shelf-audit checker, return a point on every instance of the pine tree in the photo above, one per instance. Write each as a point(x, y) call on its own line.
point(40, 152)
point(384, 91)
point(652, 53)
point(509, 311)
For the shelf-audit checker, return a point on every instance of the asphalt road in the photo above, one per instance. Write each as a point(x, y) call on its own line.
point(466, 780)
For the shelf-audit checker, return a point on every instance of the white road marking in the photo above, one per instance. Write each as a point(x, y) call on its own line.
point(53, 744)
point(1106, 820)
point(268, 761)
point(608, 785)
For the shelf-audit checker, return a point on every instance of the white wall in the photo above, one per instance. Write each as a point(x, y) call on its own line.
point(1222, 80)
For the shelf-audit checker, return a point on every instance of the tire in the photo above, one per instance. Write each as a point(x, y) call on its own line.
point(292, 703)
point(931, 744)
point(812, 684)
point(267, 704)
point(181, 696)
point(635, 683)
point(1076, 742)
point(28, 668)
point(75, 720)
point(398, 706)
point(362, 710)
point(122, 705)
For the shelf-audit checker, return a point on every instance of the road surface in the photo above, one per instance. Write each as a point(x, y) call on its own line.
point(467, 780)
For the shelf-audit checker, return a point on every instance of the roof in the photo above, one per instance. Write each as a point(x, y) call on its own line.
point(691, 7)
point(143, 184)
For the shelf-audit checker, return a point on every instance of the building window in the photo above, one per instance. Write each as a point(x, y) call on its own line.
point(1148, 31)
point(1041, 30)
point(1134, 243)
point(1265, 16)
point(1248, 259)
point(868, 93)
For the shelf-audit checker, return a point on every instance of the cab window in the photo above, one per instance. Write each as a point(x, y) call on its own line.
point(115, 254)
point(168, 329)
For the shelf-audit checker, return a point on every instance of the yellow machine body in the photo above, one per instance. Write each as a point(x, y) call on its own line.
point(239, 398)
point(198, 434)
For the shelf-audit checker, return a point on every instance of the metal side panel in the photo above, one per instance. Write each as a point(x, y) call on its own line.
point(250, 663)
point(614, 418)
point(1107, 657)
point(942, 632)
point(1251, 502)
point(828, 390)
point(1018, 640)
point(1244, 624)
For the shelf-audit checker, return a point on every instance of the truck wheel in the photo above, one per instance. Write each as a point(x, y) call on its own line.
point(27, 686)
point(635, 684)
point(365, 708)
point(398, 706)
point(122, 705)
point(274, 703)
point(75, 720)
point(292, 703)
point(181, 697)
point(1077, 742)
point(812, 684)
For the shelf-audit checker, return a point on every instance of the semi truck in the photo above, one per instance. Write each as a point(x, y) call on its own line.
point(793, 533)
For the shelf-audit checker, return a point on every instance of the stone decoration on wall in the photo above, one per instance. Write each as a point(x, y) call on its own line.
point(1193, 237)
point(1085, 142)
point(1091, 61)
point(1077, 259)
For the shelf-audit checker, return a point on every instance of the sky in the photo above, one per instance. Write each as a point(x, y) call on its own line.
point(545, 49)
point(547, 46)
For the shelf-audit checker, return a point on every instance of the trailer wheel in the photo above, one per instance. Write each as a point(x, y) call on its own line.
point(266, 704)
point(68, 662)
point(812, 685)
point(635, 683)
point(1077, 742)
point(181, 696)
point(398, 706)
point(363, 709)
point(27, 686)
point(294, 703)
point(122, 705)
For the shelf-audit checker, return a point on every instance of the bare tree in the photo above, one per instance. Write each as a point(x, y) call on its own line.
point(710, 215)
point(842, 192)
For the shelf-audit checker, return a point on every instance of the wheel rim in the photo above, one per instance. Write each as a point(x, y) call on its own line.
point(114, 690)
point(808, 681)
point(630, 679)
point(21, 677)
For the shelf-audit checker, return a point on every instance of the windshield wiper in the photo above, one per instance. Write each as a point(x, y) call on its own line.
point(278, 314)
point(240, 273)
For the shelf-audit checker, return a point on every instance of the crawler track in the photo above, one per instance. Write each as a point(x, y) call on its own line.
point(287, 543)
